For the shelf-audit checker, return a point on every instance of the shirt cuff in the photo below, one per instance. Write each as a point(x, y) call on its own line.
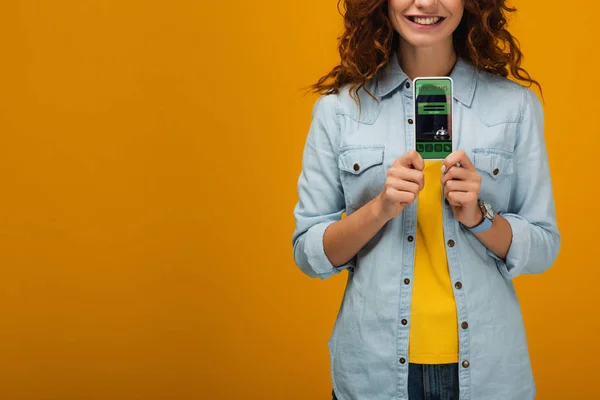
point(518, 252)
point(315, 252)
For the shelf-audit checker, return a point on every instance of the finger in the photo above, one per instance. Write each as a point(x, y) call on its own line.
point(403, 185)
point(411, 175)
point(462, 186)
point(459, 173)
point(412, 159)
point(457, 157)
point(461, 199)
point(401, 196)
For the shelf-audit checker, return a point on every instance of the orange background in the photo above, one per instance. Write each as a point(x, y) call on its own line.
point(149, 153)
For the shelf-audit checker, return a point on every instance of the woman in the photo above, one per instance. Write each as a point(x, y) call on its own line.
point(431, 248)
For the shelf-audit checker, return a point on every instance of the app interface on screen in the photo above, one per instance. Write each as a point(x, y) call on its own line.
point(433, 106)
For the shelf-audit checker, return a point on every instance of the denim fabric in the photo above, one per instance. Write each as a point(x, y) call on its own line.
point(500, 126)
point(431, 382)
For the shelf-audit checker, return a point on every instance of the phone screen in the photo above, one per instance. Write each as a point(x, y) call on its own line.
point(433, 117)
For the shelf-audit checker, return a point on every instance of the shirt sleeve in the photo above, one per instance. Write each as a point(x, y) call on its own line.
point(320, 194)
point(532, 216)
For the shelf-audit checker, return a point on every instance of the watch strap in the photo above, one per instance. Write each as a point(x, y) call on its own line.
point(482, 227)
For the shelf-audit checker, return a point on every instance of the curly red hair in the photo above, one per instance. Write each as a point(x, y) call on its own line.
point(369, 40)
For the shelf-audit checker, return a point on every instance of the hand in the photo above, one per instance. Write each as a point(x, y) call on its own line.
point(404, 180)
point(462, 186)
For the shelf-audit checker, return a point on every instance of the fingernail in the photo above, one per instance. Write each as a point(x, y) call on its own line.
point(443, 169)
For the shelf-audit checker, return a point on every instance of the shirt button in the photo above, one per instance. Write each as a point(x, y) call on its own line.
point(458, 285)
point(410, 238)
point(451, 243)
point(402, 360)
point(464, 325)
point(404, 322)
point(407, 85)
point(410, 121)
point(356, 167)
point(465, 364)
point(496, 171)
point(406, 281)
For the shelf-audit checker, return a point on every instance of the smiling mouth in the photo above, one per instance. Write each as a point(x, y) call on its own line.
point(425, 20)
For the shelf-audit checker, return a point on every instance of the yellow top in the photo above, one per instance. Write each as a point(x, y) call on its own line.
point(434, 322)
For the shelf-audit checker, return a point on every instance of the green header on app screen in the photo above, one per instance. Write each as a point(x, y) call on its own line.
point(433, 87)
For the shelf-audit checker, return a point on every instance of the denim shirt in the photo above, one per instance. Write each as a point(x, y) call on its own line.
point(499, 124)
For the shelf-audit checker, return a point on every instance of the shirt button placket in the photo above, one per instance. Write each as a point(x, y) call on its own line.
point(409, 225)
point(464, 325)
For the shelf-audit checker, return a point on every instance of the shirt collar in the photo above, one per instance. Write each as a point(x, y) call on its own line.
point(464, 77)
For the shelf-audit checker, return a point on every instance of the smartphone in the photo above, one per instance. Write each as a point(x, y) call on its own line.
point(433, 117)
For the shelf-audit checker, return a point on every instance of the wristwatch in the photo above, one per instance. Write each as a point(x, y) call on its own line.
point(488, 217)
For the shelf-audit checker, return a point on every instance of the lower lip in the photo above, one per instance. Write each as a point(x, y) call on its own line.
point(425, 27)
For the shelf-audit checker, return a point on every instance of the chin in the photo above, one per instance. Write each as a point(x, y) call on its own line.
point(422, 42)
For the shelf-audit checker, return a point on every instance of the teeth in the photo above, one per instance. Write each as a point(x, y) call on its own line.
point(427, 20)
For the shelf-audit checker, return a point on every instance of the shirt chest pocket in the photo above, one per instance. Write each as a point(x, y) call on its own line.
point(496, 170)
point(362, 173)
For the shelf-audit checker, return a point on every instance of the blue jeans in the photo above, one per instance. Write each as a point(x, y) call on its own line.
point(431, 382)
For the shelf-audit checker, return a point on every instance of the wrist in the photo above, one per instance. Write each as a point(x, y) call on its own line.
point(487, 216)
point(476, 219)
point(377, 211)
point(375, 207)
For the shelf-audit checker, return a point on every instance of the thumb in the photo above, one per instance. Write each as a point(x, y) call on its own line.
point(412, 159)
